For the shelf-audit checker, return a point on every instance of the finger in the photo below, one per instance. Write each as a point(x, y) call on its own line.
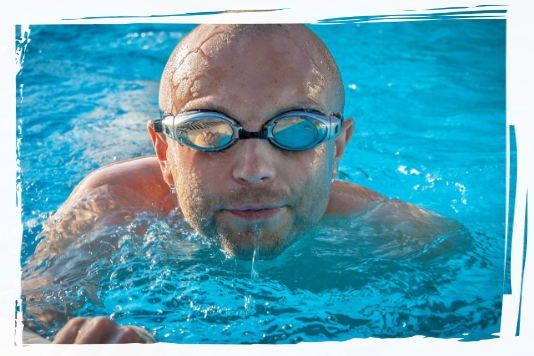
point(68, 334)
point(125, 343)
point(151, 350)
point(97, 331)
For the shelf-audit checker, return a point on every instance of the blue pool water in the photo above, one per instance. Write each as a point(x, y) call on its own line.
point(428, 99)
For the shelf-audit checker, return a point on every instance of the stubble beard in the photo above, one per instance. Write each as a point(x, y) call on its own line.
point(305, 207)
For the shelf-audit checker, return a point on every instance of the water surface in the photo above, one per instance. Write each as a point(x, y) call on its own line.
point(428, 99)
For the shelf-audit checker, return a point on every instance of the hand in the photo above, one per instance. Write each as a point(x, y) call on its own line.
point(101, 330)
point(207, 139)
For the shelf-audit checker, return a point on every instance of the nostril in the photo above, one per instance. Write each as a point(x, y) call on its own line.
point(251, 179)
point(255, 164)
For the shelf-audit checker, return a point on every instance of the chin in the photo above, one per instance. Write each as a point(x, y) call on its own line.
point(242, 248)
point(271, 241)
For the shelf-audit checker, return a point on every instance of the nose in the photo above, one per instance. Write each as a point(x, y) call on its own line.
point(255, 162)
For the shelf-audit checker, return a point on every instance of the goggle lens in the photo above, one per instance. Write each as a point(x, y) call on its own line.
point(205, 133)
point(295, 132)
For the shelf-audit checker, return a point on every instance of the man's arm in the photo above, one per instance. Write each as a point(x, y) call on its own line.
point(82, 230)
point(103, 206)
point(390, 227)
point(111, 196)
point(347, 199)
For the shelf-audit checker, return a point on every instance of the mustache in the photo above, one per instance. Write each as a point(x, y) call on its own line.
point(253, 196)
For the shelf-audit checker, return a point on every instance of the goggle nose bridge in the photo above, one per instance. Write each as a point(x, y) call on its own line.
point(262, 135)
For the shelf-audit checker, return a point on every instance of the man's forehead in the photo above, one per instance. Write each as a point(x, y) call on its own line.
point(262, 62)
point(240, 113)
point(249, 73)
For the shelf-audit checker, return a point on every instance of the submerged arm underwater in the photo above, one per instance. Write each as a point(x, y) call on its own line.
point(82, 232)
point(96, 219)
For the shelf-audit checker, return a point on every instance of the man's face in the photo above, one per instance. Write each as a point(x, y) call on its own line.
point(252, 190)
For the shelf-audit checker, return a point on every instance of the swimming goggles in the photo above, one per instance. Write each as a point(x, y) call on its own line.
point(212, 131)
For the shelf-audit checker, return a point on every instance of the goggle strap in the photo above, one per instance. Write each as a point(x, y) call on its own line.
point(336, 127)
point(243, 135)
point(157, 125)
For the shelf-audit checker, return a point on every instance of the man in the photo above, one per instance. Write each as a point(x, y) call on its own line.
point(250, 141)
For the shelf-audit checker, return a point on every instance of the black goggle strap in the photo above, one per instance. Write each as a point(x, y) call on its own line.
point(157, 125)
point(336, 125)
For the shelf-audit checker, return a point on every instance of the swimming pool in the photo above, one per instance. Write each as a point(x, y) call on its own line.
point(429, 103)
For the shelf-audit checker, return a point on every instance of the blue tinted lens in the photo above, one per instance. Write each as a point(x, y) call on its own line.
point(295, 132)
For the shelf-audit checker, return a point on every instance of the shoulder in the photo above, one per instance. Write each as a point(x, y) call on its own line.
point(108, 196)
point(140, 177)
point(349, 198)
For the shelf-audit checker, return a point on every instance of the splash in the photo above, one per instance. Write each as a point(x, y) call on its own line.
point(256, 239)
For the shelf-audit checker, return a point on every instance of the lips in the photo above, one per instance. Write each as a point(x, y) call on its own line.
point(255, 213)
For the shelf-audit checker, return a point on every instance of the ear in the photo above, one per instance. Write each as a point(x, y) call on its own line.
point(159, 140)
point(347, 129)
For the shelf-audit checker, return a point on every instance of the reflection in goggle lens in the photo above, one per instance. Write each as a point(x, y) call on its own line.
point(206, 133)
point(295, 132)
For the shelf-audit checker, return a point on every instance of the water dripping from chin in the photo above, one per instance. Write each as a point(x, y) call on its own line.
point(256, 237)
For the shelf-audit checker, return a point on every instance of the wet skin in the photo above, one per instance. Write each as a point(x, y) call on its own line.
point(252, 183)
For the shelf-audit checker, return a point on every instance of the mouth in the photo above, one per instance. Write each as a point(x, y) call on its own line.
point(255, 213)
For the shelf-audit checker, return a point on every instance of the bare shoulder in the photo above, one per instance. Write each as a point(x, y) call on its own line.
point(110, 196)
point(348, 198)
point(107, 198)
point(140, 177)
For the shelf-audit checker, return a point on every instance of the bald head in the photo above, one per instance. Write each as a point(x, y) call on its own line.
point(248, 63)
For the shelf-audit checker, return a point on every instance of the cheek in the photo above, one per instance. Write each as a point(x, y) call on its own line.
point(317, 188)
point(196, 170)
point(308, 165)
point(321, 168)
